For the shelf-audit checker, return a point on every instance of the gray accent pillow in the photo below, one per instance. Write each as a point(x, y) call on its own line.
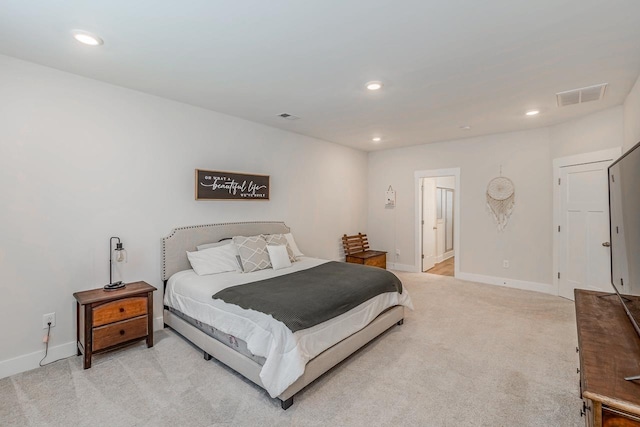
point(253, 253)
point(280, 239)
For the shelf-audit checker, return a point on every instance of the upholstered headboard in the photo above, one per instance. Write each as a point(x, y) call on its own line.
point(183, 239)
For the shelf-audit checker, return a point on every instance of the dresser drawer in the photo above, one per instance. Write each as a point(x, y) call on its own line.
point(122, 309)
point(116, 333)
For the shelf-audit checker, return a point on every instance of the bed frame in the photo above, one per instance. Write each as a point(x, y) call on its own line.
point(174, 259)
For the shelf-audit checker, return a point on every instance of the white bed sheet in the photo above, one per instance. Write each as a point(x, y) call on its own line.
point(286, 353)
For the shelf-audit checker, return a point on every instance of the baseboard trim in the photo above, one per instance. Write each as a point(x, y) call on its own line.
point(403, 267)
point(509, 283)
point(31, 361)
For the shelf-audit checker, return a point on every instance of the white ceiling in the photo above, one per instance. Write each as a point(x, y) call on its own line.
point(444, 64)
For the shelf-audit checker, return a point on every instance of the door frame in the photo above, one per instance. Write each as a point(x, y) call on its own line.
point(610, 154)
point(435, 173)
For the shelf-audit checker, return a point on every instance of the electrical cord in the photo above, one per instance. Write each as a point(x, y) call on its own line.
point(46, 347)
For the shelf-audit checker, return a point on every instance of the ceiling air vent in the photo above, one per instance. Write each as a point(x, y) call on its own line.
point(288, 116)
point(579, 96)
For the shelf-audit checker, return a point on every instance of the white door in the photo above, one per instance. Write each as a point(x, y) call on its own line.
point(584, 226)
point(428, 223)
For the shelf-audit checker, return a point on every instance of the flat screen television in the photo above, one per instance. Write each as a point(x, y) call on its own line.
point(624, 215)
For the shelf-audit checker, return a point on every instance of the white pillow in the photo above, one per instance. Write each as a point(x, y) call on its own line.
point(223, 243)
point(214, 260)
point(293, 246)
point(213, 245)
point(278, 256)
point(279, 239)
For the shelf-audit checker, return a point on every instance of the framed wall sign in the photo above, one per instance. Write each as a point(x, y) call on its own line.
point(218, 185)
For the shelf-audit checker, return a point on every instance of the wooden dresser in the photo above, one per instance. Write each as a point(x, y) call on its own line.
point(609, 351)
point(110, 319)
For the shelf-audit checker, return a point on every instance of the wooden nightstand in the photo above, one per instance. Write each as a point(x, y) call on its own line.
point(110, 319)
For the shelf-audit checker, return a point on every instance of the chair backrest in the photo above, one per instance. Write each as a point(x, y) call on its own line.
point(355, 244)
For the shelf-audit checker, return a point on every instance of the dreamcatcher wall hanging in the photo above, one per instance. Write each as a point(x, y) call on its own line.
point(501, 198)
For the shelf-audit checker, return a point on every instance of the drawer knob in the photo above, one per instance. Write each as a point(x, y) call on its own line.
point(122, 332)
point(121, 309)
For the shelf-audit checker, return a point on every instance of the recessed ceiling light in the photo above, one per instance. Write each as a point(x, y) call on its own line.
point(87, 38)
point(374, 85)
point(532, 112)
point(376, 139)
point(465, 127)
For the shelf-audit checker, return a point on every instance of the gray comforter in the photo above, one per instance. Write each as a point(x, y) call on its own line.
point(306, 298)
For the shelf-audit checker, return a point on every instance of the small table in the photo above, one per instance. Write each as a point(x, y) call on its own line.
point(107, 320)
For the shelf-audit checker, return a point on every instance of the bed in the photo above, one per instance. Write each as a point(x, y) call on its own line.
point(252, 343)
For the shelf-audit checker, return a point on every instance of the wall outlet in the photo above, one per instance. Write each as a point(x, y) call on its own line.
point(46, 318)
point(505, 263)
point(397, 252)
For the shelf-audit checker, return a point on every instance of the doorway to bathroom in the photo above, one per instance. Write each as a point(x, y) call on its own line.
point(437, 221)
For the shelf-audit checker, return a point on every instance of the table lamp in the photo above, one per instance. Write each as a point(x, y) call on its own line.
point(119, 255)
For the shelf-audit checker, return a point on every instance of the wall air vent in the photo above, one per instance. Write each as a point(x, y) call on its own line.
point(288, 116)
point(582, 95)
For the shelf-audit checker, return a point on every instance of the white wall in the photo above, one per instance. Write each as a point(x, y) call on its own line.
point(82, 161)
point(595, 132)
point(632, 117)
point(526, 158)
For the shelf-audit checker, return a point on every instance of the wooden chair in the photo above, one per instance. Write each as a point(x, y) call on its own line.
point(356, 250)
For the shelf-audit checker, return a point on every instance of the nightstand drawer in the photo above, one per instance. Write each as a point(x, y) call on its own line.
point(122, 309)
point(116, 333)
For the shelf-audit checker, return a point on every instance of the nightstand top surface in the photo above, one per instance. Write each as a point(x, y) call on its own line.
point(98, 295)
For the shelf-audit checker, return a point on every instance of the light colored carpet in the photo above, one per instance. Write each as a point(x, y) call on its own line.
point(469, 355)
